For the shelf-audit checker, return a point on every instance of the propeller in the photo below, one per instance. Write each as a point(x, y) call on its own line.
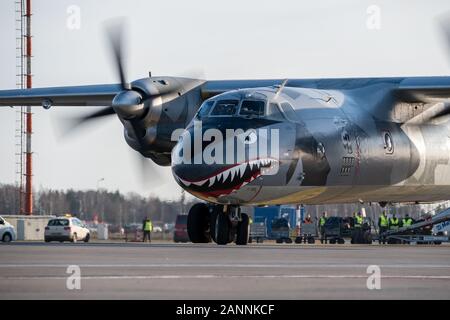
point(114, 31)
point(128, 103)
point(443, 22)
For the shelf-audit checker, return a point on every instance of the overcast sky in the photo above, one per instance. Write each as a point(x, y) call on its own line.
point(220, 39)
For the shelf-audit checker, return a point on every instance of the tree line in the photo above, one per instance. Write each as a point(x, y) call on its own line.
point(119, 209)
point(107, 206)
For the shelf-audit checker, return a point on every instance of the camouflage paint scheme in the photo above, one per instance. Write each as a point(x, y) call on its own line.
point(345, 140)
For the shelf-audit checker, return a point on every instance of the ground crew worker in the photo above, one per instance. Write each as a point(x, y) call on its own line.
point(359, 220)
point(322, 221)
point(357, 228)
point(393, 222)
point(383, 226)
point(407, 221)
point(148, 228)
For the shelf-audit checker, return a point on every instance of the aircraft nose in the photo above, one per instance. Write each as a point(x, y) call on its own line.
point(217, 180)
point(227, 172)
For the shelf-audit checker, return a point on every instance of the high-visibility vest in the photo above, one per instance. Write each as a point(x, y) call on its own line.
point(148, 226)
point(393, 223)
point(322, 221)
point(384, 222)
point(358, 221)
point(407, 222)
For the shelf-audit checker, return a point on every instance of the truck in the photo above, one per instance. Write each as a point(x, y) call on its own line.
point(421, 232)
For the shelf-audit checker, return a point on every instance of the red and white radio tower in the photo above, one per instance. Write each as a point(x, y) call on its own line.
point(28, 209)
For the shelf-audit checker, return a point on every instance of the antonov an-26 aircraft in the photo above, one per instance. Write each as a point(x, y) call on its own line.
point(258, 142)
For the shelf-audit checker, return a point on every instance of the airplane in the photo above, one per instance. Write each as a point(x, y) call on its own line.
point(276, 141)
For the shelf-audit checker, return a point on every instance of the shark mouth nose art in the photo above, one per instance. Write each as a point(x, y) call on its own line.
point(229, 179)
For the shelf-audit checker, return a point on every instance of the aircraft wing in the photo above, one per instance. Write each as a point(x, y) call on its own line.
point(413, 89)
point(424, 89)
point(91, 95)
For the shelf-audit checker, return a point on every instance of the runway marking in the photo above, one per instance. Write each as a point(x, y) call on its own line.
point(201, 265)
point(213, 276)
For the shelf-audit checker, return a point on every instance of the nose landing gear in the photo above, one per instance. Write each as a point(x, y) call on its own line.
point(198, 223)
point(221, 223)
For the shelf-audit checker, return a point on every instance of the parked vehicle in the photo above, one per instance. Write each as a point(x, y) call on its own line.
point(258, 230)
point(66, 229)
point(281, 230)
point(180, 233)
point(362, 235)
point(7, 231)
point(336, 229)
point(308, 233)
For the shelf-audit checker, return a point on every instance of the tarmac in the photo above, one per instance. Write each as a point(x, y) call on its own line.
point(164, 270)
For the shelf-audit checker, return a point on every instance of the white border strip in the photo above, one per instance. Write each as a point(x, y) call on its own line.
point(227, 265)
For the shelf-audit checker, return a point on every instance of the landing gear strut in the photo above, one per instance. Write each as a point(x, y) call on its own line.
point(221, 223)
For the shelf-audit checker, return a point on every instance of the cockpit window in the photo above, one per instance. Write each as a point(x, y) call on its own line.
point(205, 109)
point(274, 112)
point(252, 108)
point(289, 111)
point(225, 108)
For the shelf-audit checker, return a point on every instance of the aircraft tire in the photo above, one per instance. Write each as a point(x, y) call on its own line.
point(198, 223)
point(222, 229)
point(213, 221)
point(243, 231)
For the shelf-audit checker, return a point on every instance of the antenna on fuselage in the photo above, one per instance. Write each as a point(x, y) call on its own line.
point(281, 87)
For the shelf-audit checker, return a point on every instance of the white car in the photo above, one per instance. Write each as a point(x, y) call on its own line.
point(66, 229)
point(7, 231)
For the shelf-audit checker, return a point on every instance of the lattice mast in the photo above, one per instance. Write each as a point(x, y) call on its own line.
point(20, 111)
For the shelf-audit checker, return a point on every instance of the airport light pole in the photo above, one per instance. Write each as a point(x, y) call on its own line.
point(102, 214)
point(98, 183)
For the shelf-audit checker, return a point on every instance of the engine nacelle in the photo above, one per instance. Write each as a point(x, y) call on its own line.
point(168, 104)
point(128, 105)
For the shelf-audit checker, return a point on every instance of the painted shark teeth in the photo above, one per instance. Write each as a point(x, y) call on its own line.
point(186, 183)
point(200, 183)
point(234, 175)
point(211, 180)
